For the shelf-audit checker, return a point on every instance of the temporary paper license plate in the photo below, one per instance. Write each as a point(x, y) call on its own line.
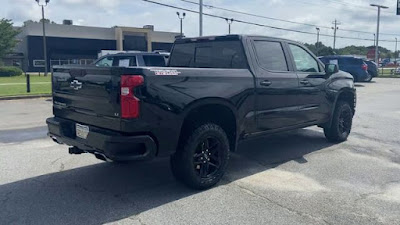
point(82, 131)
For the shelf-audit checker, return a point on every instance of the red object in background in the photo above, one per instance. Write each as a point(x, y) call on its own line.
point(371, 54)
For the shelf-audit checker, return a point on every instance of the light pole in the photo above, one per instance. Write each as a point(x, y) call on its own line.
point(317, 45)
point(200, 18)
point(181, 19)
point(41, 4)
point(377, 30)
point(229, 21)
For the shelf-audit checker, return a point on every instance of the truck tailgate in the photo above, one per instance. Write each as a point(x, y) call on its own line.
point(90, 95)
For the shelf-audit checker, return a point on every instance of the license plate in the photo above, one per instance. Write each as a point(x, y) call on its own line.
point(82, 131)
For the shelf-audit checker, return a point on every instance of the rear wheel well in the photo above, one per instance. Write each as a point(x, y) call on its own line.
point(214, 113)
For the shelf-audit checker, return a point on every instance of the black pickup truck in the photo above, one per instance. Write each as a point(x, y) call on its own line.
point(215, 93)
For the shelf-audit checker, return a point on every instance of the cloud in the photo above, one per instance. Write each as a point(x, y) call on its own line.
point(354, 15)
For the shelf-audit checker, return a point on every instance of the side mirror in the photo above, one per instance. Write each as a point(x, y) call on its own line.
point(331, 69)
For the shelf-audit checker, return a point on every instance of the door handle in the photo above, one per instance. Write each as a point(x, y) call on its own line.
point(304, 82)
point(265, 83)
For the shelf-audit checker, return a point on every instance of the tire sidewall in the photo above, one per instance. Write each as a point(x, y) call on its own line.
point(342, 106)
point(199, 134)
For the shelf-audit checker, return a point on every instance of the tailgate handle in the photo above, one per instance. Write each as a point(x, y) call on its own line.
point(265, 83)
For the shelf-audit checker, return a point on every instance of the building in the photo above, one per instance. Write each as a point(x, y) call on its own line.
point(70, 44)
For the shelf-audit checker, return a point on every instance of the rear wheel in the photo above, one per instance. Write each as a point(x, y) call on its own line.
point(202, 161)
point(341, 123)
point(369, 78)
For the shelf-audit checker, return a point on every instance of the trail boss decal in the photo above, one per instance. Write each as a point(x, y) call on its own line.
point(166, 72)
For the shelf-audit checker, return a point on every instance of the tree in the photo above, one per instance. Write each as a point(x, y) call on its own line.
point(322, 50)
point(45, 21)
point(8, 36)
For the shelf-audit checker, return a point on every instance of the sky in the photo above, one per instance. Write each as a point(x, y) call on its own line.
point(352, 15)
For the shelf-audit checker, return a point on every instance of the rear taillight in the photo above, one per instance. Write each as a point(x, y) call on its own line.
point(364, 66)
point(130, 105)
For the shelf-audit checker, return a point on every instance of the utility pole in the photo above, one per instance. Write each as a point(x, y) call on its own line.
point(44, 35)
point(201, 18)
point(374, 40)
point(377, 30)
point(335, 28)
point(181, 19)
point(317, 45)
point(395, 53)
point(229, 21)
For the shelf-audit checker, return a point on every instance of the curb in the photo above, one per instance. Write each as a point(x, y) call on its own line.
point(25, 97)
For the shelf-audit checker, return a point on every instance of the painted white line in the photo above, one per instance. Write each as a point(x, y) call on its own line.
point(6, 84)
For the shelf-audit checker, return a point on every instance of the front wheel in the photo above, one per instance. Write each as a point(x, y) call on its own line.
point(202, 161)
point(341, 123)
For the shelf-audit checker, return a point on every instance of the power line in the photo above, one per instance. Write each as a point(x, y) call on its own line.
point(358, 6)
point(277, 19)
point(259, 24)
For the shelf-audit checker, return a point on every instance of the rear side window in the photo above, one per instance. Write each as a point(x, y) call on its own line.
point(209, 54)
point(153, 60)
point(125, 61)
point(270, 55)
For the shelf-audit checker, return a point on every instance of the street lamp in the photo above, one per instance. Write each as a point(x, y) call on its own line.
point(181, 19)
point(317, 45)
point(44, 4)
point(229, 21)
point(377, 30)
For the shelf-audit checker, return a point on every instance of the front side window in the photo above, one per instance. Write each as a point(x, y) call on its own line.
point(303, 60)
point(105, 62)
point(271, 56)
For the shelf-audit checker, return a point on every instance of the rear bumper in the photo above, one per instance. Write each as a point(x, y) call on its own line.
point(113, 145)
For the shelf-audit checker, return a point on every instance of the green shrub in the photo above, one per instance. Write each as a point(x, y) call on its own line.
point(10, 71)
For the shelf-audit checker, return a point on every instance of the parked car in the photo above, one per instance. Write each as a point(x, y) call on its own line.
point(131, 60)
point(397, 71)
point(216, 93)
point(355, 66)
point(372, 68)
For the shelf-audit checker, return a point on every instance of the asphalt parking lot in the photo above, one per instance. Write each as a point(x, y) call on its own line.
point(290, 178)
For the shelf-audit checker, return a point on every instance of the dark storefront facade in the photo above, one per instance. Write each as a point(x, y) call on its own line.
point(62, 49)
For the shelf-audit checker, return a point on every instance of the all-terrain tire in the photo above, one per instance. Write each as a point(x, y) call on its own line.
point(341, 123)
point(207, 144)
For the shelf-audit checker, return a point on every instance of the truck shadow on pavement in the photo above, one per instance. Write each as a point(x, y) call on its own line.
point(104, 192)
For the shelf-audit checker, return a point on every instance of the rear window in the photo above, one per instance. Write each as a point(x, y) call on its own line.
point(350, 61)
point(209, 54)
point(153, 60)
